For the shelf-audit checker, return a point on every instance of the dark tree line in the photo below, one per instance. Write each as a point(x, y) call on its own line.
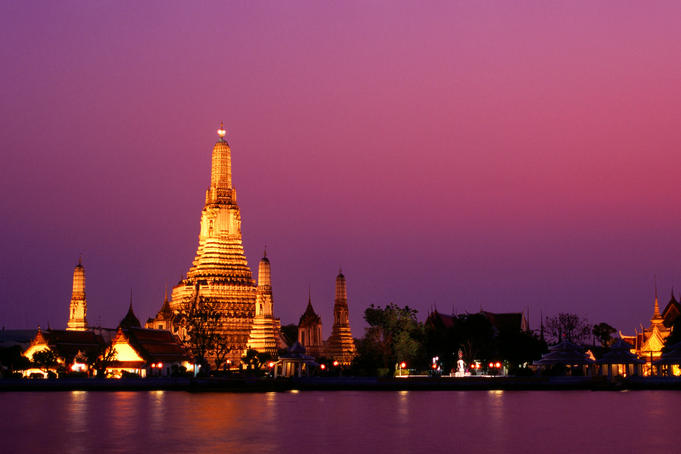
point(395, 335)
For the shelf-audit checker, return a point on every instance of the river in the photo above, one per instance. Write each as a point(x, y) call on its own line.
point(340, 422)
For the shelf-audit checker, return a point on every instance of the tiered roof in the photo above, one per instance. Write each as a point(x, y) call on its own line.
point(619, 353)
point(67, 344)
point(151, 345)
point(565, 353)
point(309, 317)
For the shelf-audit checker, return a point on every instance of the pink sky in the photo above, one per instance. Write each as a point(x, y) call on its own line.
point(504, 155)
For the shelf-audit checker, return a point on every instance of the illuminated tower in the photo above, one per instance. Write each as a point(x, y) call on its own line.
point(220, 267)
point(78, 307)
point(341, 345)
point(265, 330)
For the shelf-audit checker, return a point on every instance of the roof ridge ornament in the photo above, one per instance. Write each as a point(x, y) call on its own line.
point(221, 131)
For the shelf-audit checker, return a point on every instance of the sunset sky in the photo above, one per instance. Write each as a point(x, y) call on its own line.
point(500, 155)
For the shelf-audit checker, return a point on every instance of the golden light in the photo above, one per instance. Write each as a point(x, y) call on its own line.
point(497, 365)
point(271, 364)
point(221, 131)
point(322, 367)
point(159, 365)
point(403, 365)
point(78, 367)
point(335, 363)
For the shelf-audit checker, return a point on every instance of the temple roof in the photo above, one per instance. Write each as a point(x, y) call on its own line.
point(153, 345)
point(671, 312)
point(165, 313)
point(507, 322)
point(619, 353)
point(437, 318)
point(309, 316)
point(297, 352)
point(130, 320)
point(504, 322)
point(67, 344)
point(565, 353)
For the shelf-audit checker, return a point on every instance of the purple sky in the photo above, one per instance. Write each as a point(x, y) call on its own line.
point(503, 155)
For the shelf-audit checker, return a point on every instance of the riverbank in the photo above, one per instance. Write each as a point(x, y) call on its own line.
point(253, 384)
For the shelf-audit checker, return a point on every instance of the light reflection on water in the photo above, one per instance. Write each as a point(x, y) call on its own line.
point(347, 422)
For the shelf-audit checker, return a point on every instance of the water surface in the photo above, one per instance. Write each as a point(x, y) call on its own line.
point(340, 422)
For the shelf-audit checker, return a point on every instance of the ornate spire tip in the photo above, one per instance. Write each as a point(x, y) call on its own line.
point(221, 131)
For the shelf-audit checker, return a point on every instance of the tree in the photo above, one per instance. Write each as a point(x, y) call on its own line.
point(200, 319)
point(519, 347)
point(100, 359)
point(394, 335)
point(44, 360)
point(221, 351)
point(603, 332)
point(255, 360)
point(12, 360)
point(290, 333)
point(570, 327)
point(475, 335)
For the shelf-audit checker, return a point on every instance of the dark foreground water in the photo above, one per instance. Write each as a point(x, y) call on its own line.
point(341, 422)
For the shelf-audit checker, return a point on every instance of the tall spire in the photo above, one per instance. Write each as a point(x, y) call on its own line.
point(78, 306)
point(221, 168)
point(656, 312)
point(264, 272)
point(341, 345)
point(263, 336)
point(341, 288)
point(220, 265)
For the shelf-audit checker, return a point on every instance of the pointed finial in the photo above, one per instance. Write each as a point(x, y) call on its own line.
point(221, 131)
point(131, 298)
point(656, 312)
point(80, 259)
point(264, 254)
point(165, 292)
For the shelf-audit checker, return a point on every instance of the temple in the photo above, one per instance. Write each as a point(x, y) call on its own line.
point(220, 270)
point(265, 329)
point(647, 343)
point(341, 345)
point(78, 307)
point(310, 331)
point(165, 318)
